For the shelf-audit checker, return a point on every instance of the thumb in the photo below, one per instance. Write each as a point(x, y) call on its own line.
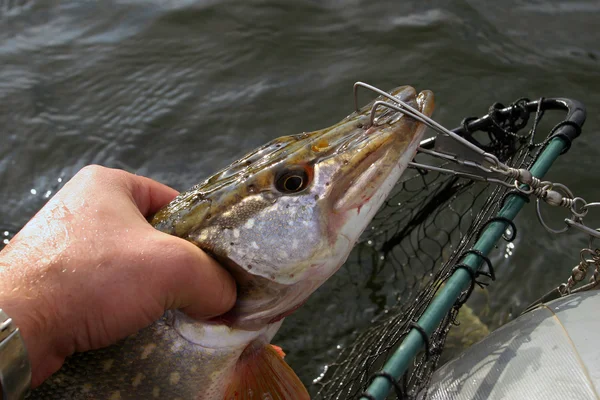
point(195, 283)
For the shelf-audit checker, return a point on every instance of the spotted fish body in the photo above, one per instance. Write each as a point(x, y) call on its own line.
point(282, 220)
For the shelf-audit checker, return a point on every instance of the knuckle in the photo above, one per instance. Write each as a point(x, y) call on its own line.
point(97, 173)
point(92, 171)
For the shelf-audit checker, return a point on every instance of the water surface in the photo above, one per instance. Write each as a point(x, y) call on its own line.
point(175, 90)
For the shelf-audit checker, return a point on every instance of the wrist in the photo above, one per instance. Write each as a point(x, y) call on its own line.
point(15, 369)
point(31, 314)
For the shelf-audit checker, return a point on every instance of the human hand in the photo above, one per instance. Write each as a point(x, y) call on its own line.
point(88, 269)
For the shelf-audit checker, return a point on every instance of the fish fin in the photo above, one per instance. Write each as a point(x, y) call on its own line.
point(261, 371)
point(279, 350)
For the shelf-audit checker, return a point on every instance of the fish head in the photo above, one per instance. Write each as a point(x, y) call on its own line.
point(284, 218)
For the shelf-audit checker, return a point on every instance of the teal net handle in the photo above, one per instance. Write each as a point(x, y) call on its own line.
point(398, 363)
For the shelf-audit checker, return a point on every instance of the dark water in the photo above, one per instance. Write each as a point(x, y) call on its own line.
point(178, 89)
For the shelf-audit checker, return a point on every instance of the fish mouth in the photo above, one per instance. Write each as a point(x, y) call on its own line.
point(369, 153)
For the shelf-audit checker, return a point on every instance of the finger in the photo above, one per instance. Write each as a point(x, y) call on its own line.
point(149, 195)
point(199, 286)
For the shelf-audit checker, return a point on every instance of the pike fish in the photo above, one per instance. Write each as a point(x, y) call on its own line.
point(281, 220)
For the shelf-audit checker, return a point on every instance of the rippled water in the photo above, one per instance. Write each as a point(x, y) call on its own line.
point(178, 89)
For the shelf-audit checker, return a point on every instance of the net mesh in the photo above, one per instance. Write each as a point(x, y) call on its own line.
point(420, 235)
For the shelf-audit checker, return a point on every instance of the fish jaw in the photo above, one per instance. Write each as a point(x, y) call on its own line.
point(361, 191)
point(280, 247)
point(220, 337)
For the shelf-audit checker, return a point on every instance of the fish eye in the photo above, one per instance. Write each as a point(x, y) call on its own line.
point(292, 180)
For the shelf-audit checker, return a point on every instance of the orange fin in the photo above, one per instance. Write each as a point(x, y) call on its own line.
point(279, 350)
point(261, 373)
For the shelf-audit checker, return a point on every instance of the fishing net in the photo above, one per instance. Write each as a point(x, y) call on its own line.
point(420, 237)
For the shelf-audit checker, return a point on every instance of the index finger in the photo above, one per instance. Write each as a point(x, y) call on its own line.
point(148, 194)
